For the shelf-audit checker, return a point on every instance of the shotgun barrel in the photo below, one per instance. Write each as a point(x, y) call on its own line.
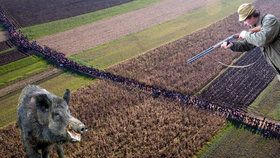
point(210, 49)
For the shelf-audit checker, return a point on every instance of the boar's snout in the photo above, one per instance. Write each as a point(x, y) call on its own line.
point(82, 128)
point(75, 129)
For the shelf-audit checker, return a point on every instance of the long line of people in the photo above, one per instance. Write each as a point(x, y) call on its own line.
point(263, 126)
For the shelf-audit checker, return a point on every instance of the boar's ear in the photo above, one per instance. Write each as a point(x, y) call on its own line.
point(66, 96)
point(43, 102)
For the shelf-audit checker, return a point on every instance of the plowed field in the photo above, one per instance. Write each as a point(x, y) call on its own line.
point(28, 13)
point(11, 56)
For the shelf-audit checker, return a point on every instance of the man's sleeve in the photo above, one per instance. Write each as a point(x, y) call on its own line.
point(242, 46)
point(269, 31)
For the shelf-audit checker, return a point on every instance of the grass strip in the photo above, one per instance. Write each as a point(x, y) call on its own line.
point(1, 28)
point(268, 102)
point(37, 31)
point(215, 140)
point(235, 141)
point(7, 50)
point(21, 70)
point(68, 80)
point(19, 64)
point(8, 109)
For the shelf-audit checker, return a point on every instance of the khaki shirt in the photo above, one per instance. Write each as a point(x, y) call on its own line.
point(268, 39)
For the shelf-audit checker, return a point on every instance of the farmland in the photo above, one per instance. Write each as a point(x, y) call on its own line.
point(137, 117)
point(114, 28)
point(2, 35)
point(28, 13)
point(10, 56)
point(128, 47)
point(265, 105)
point(224, 90)
point(126, 121)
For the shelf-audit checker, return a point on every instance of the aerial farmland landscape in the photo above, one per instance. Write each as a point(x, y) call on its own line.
point(125, 63)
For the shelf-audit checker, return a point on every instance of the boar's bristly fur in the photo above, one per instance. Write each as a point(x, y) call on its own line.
point(45, 120)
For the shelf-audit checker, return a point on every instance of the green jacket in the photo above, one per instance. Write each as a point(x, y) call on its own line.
point(268, 39)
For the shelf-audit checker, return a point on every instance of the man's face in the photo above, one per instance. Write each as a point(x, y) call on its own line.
point(249, 22)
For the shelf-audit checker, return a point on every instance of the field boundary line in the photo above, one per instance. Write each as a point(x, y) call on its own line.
point(10, 89)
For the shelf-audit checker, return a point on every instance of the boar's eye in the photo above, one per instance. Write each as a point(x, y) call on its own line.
point(56, 116)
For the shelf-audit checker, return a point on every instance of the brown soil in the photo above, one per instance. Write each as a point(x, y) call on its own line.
point(90, 35)
point(11, 56)
point(28, 13)
point(4, 45)
point(3, 36)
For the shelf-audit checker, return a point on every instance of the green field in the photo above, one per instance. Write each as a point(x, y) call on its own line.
point(268, 102)
point(1, 28)
point(37, 31)
point(7, 50)
point(8, 109)
point(68, 80)
point(21, 69)
point(238, 142)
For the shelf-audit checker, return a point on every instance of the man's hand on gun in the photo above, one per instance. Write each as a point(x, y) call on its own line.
point(227, 44)
point(241, 35)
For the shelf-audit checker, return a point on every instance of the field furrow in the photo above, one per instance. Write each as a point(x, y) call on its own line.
point(28, 13)
point(239, 87)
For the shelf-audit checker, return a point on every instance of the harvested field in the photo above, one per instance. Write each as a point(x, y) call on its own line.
point(11, 56)
point(125, 122)
point(28, 13)
point(100, 32)
point(271, 6)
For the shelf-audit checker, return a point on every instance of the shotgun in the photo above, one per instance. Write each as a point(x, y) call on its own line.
point(210, 49)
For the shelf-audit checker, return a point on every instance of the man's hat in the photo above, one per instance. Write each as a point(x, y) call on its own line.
point(245, 10)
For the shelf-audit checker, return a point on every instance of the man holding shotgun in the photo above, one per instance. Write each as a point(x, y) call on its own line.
point(264, 32)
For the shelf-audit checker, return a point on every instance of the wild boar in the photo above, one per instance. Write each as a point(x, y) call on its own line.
point(44, 120)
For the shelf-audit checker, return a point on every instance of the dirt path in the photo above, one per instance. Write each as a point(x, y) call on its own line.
point(3, 36)
point(90, 35)
point(30, 80)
